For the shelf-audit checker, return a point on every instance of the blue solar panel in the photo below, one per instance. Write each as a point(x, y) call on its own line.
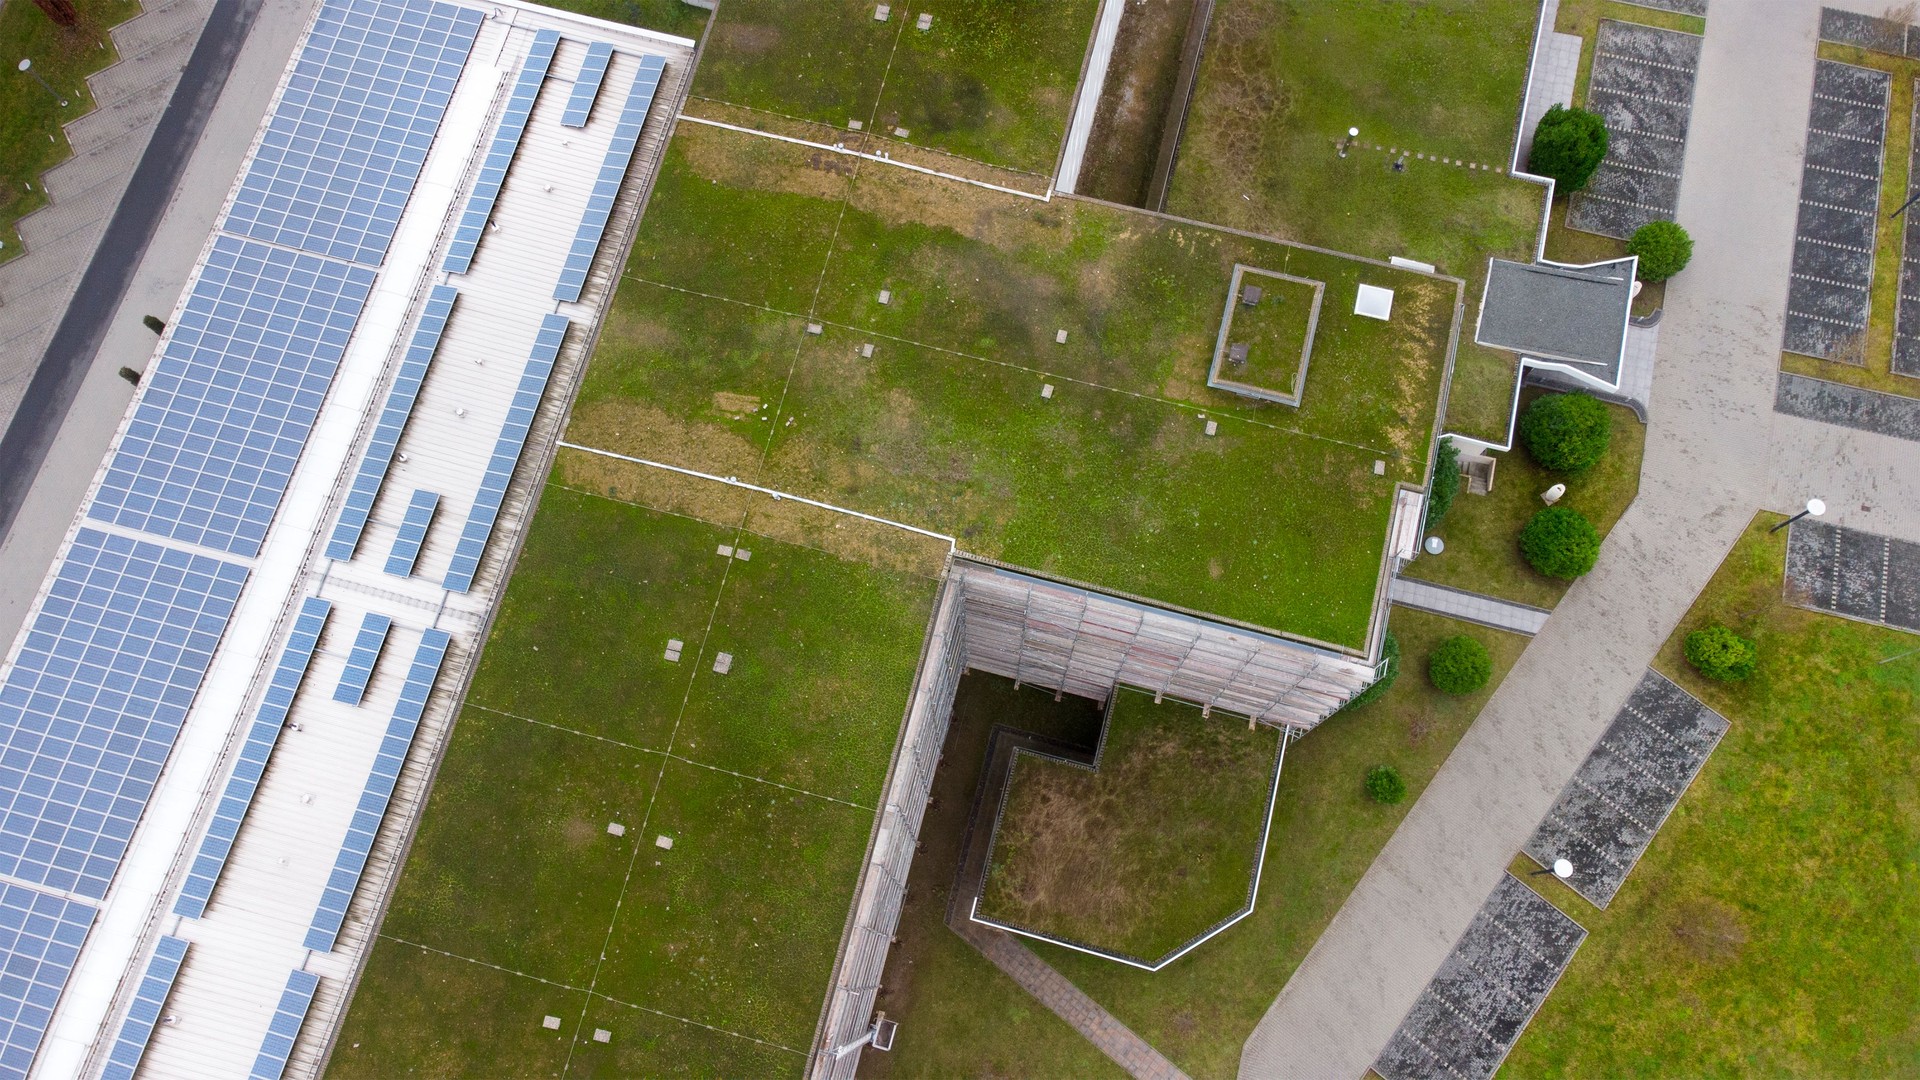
point(228, 406)
point(148, 999)
point(506, 454)
point(40, 937)
point(89, 711)
point(360, 662)
point(252, 764)
point(393, 421)
point(593, 70)
point(413, 533)
point(284, 1028)
point(506, 140)
point(346, 141)
point(613, 172)
point(373, 801)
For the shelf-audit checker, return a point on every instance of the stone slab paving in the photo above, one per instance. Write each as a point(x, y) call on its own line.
point(1848, 406)
point(1906, 310)
point(1696, 8)
point(1853, 573)
point(1831, 281)
point(1471, 606)
point(1488, 988)
point(1868, 32)
point(1621, 795)
point(1642, 84)
point(1556, 68)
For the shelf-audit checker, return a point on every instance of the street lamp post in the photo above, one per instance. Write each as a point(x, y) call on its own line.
point(1352, 134)
point(1814, 507)
point(1561, 869)
point(27, 67)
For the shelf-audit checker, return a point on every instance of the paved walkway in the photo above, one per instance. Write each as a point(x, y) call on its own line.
point(1716, 453)
point(1471, 606)
point(1552, 79)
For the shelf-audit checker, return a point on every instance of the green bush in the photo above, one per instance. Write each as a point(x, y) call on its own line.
point(1390, 670)
point(1459, 665)
point(1446, 483)
point(1566, 432)
point(1663, 247)
point(1385, 785)
point(1568, 146)
point(1721, 655)
point(1560, 542)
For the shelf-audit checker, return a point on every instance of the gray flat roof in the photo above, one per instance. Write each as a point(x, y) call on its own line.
point(1576, 314)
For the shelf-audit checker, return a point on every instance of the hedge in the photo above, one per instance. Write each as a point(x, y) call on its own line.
point(1446, 483)
point(1664, 249)
point(1567, 146)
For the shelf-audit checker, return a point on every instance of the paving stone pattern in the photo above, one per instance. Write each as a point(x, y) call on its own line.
point(1685, 7)
point(1857, 574)
point(1620, 796)
point(1906, 312)
point(1848, 406)
point(1642, 84)
point(1473, 607)
point(1488, 988)
point(1832, 276)
point(1869, 32)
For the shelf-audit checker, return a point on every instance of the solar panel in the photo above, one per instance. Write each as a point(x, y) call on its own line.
point(360, 662)
point(40, 937)
point(284, 1028)
point(613, 172)
point(506, 140)
point(373, 801)
point(506, 454)
point(413, 533)
point(148, 999)
point(89, 711)
point(252, 763)
point(347, 138)
point(228, 406)
point(593, 71)
point(393, 421)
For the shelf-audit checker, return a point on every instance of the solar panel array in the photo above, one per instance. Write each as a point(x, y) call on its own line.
point(393, 421)
point(148, 999)
point(360, 662)
point(613, 172)
point(231, 400)
point(413, 533)
point(252, 763)
point(40, 938)
point(284, 1028)
point(351, 131)
point(586, 88)
point(506, 140)
point(506, 453)
point(373, 801)
point(91, 706)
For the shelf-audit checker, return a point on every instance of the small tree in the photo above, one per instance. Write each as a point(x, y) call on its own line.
point(1721, 655)
point(1567, 146)
point(1560, 542)
point(1446, 483)
point(1459, 665)
point(1389, 671)
point(1664, 249)
point(130, 375)
point(1566, 432)
point(153, 323)
point(1385, 785)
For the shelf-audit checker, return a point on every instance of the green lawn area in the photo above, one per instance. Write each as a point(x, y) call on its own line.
point(1281, 82)
point(667, 16)
point(1483, 531)
point(705, 362)
point(1274, 331)
point(31, 139)
point(1769, 929)
point(1148, 850)
point(989, 81)
point(960, 1017)
point(765, 778)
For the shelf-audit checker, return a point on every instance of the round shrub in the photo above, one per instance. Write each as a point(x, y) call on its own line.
point(1459, 665)
point(1560, 542)
point(1721, 655)
point(1566, 432)
point(1446, 483)
point(1567, 146)
point(1390, 670)
point(1663, 247)
point(1385, 785)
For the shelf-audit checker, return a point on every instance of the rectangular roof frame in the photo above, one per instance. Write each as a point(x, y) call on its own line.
point(284, 1028)
point(413, 533)
point(123, 1061)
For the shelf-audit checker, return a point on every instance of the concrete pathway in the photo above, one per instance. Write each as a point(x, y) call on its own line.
point(1556, 69)
point(1471, 606)
point(1716, 453)
point(1086, 103)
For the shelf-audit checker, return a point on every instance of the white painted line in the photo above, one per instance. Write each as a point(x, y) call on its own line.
point(1048, 197)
